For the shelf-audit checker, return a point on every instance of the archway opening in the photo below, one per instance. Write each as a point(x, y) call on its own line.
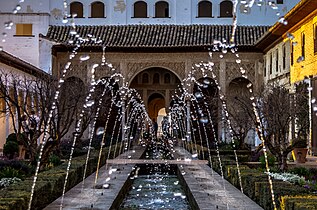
point(155, 103)
point(156, 86)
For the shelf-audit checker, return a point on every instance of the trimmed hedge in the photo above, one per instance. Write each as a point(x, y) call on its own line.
point(256, 186)
point(299, 202)
point(49, 185)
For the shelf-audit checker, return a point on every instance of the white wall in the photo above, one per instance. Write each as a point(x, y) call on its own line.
point(45, 55)
point(120, 12)
point(6, 123)
point(24, 47)
point(282, 74)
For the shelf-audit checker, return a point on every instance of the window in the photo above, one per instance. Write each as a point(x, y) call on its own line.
point(156, 78)
point(315, 38)
point(292, 54)
point(23, 30)
point(167, 78)
point(145, 78)
point(279, 1)
point(97, 9)
point(276, 60)
point(226, 9)
point(76, 9)
point(271, 63)
point(303, 45)
point(204, 9)
point(161, 9)
point(284, 57)
point(140, 9)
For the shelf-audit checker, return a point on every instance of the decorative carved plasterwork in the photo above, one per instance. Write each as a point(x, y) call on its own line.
point(106, 71)
point(135, 68)
point(233, 71)
point(215, 69)
point(77, 70)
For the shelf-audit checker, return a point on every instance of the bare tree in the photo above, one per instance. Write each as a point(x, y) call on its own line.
point(23, 94)
point(241, 117)
point(278, 111)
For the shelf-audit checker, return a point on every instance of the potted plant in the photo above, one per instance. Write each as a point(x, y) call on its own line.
point(300, 150)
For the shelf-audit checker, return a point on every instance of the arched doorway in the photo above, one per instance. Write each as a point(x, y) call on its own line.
point(156, 86)
point(156, 102)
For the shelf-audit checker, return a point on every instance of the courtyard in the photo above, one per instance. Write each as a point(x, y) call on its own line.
point(158, 104)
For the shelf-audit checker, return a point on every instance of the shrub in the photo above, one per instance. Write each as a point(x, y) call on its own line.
point(10, 149)
point(12, 137)
point(5, 182)
point(55, 160)
point(270, 158)
point(21, 166)
point(9, 172)
point(301, 171)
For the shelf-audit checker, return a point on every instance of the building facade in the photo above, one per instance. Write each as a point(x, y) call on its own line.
point(155, 38)
point(34, 17)
point(15, 76)
point(298, 39)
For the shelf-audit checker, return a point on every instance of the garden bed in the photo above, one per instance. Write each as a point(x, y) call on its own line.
point(255, 184)
point(49, 185)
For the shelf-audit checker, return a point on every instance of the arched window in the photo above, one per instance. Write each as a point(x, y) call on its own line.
point(76, 8)
point(226, 9)
point(97, 9)
point(161, 9)
point(140, 9)
point(205, 9)
point(145, 78)
point(156, 78)
point(167, 78)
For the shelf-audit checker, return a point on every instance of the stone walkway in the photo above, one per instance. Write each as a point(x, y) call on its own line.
point(209, 191)
point(87, 197)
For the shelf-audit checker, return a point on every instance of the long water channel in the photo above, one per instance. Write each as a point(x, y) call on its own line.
point(156, 187)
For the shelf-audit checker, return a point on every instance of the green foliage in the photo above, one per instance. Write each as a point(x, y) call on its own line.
point(299, 143)
point(9, 172)
point(11, 149)
point(55, 160)
point(12, 137)
point(5, 182)
point(301, 171)
point(298, 202)
point(49, 183)
point(270, 158)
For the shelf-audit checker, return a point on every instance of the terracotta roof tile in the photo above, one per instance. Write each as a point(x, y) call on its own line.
point(147, 36)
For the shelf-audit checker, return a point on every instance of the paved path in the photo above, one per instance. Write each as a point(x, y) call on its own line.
point(86, 197)
point(210, 191)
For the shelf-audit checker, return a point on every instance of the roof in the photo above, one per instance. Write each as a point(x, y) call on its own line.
point(157, 36)
point(302, 10)
point(21, 65)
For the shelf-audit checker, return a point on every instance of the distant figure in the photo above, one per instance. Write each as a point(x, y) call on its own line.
point(25, 125)
point(165, 127)
point(33, 124)
point(155, 126)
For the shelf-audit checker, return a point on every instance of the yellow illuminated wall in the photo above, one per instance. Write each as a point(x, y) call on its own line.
point(309, 65)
